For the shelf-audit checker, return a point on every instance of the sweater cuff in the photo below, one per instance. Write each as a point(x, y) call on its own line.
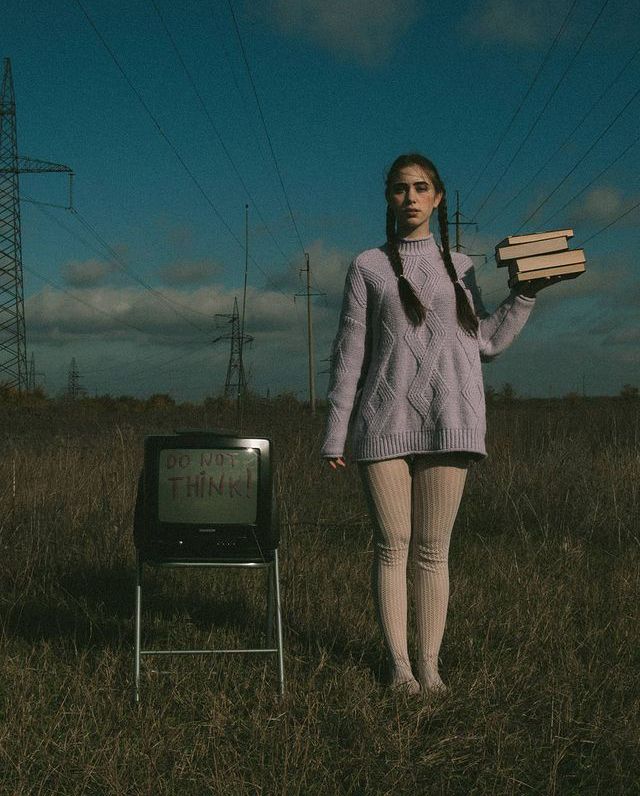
point(525, 299)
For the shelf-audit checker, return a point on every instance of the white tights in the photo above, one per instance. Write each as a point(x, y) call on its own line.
point(413, 502)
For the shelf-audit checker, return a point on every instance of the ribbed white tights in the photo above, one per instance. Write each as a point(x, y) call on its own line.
point(413, 503)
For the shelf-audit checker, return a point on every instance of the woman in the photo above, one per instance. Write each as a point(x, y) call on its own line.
point(406, 372)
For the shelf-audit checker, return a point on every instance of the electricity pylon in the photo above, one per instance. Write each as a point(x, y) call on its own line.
point(13, 349)
point(235, 383)
point(74, 388)
point(31, 375)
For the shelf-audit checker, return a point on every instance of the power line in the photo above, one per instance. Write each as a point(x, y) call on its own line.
point(264, 125)
point(60, 223)
point(83, 301)
point(578, 126)
point(138, 377)
point(124, 267)
point(544, 108)
point(150, 359)
point(522, 101)
point(166, 138)
point(590, 183)
point(205, 109)
point(580, 159)
point(611, 223)
point(114, 259)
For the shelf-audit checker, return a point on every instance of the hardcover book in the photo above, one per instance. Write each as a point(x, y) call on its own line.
point(551, 260)
point(565, 272)
point(506, 253)
point(554, 233)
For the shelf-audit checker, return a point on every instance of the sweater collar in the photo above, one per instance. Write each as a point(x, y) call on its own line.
point(409, 246)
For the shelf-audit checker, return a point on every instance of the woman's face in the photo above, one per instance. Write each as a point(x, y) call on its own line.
point(412, 196)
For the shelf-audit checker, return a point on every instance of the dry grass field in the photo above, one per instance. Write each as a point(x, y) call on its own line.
point(541, 651)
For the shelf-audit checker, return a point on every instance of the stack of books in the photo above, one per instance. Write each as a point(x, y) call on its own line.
point(539, 255)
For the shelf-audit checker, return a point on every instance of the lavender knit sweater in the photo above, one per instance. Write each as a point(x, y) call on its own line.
point(409, 389)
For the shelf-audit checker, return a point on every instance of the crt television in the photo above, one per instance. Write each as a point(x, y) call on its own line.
point(205, 494)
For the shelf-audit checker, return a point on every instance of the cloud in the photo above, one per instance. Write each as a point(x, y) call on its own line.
point(119, 333)
point(512, 21)
point(189, 272)
point(86, 273)
point(603, 204)
point(172, 316)
point(365, 31)
point(119, 313)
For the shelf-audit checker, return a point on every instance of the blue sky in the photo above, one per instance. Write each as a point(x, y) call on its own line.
point(344, 88)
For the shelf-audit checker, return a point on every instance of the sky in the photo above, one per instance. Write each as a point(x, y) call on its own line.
point(529, 110)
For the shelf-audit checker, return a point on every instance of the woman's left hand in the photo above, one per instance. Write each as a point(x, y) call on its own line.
point(532, 286)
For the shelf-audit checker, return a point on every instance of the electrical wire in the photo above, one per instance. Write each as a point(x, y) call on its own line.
point(72, 295)
point(205, 109)
point(522, 101)
point(72, 233)
point(264, 125)
point(168, 140)
point(152, 359)
point(610, 224)
point(578, 126)
point(580, 159)
point(138, 377)
point(544, 108)
point(115, 260)
point(591, 182)
point(91, 306)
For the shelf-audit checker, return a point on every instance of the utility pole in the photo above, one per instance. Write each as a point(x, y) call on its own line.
point(311, 347)
point(458, 223)
point(244, 309)
point(13, 349)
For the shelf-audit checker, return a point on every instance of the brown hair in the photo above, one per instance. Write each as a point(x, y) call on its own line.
point(413, 307)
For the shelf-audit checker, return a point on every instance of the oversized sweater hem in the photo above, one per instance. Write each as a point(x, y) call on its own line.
point(405, 443)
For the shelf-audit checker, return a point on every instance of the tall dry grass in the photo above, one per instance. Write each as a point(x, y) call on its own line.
point(541, 650)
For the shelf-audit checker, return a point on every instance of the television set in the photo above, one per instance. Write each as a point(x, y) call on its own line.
point(206, 494)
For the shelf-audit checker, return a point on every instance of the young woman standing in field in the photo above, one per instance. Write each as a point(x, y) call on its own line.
point(406, 379)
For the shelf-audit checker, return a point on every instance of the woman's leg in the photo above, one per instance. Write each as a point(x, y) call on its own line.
point(438, 482)
point(387, 486)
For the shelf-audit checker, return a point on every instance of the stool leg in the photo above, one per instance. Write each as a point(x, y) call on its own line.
point(138, 629)
point(276, 574)
point(270, 603)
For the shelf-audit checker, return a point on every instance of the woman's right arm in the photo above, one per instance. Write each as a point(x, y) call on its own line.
point(347, 361)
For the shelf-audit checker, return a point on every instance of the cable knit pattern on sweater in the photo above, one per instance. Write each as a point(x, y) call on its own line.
point(412, 389)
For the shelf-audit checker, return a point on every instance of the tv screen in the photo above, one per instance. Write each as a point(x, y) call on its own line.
point(205, 493)
point(196, 485)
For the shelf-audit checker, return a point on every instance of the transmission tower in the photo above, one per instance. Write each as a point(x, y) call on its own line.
point(31, 376)
point(13, 349)
point(74, 389)
point(235, 383)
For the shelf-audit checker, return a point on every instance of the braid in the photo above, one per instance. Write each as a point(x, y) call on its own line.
point(466, 316)
point(411, 304)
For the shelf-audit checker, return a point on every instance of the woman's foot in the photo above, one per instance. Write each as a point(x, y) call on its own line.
point(403, 681)
point(430, 680)
point(410, 687)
